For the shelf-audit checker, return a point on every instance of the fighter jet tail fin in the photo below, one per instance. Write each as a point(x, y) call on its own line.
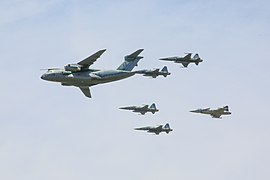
point(196, 56)
point(131, 61)
point(153, 106)
point(164, 69)
point(167, 126)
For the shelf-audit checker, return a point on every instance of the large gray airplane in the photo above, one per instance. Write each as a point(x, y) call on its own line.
point(142, 109)
point(184, 60)
point(156, 129)
point(216, 113)
point(155, 73)
point(79, 75)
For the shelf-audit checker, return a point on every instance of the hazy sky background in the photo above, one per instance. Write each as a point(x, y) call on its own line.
point(52, 132)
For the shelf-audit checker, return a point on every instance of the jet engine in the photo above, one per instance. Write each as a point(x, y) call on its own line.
point(73, 67)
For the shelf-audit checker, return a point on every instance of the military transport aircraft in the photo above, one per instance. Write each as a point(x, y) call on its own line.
point(154, 73)
point(156, 129)
point(79, 75)
point(185, 60)
point(216, 113)
point(142, 109)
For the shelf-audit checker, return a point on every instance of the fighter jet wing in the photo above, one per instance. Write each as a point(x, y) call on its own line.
point(187, 57)
point(91, 59)
point(159, 128)
point(144, 107)
point(185, 64)
point(86, 91)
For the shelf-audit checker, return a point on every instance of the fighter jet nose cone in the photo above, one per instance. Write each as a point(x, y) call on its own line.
point(42, 77)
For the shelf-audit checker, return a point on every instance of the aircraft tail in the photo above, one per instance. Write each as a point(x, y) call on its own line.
point(164, 69)
point(226, 108)
point(153, 106)
point(131, 61)
point(167, 126)
point(196, 56)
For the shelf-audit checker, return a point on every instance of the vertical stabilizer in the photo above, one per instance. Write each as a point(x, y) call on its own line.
point(164, 69)
point(153, 106)
point(196, 56)
point(167, 126)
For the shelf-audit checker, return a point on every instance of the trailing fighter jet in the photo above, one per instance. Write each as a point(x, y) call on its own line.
point(156, 129)
point(156, 72)
point(142, 109)
point(216, 113)
point(185, 60)
point(79, 75)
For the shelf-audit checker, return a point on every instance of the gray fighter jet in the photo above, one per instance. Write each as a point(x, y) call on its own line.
point(79, 75)
point(155, 73)
point(156, 129)
point(185, 60)
point(142, 109)
point(216, 113)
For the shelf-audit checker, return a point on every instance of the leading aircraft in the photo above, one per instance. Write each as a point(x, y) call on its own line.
point(155, 72)
point(142, 109)
point(79, 74)
point(156, 129)
point(216, 113)
point(184, 60)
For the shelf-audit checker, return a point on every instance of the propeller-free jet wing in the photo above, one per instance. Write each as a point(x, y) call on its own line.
point(79, 75)
point(184, 60)
point(216, 113)
point(156, 129)
point(155, 73)
point(142, 109)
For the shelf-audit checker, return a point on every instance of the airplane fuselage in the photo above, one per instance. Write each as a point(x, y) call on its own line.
point(85, 78)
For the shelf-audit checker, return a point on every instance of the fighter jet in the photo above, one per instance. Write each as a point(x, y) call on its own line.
point(155, 73)
point(142, 109)
point(156, 129)
point(185, 60)
point(216, 113)
point(79, 75)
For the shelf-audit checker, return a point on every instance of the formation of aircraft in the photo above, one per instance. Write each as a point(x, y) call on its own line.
point(216, 113)
point(156, 129)
point(184, 60)
point(83, 77)
point(79, 74)
point(155, 72)
point(142, 109)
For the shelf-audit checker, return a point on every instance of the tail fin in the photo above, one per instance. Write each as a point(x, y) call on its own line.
point(153, 106)
point(164, 69)
point(196, 56)
point(167, 126)
point(131, 61)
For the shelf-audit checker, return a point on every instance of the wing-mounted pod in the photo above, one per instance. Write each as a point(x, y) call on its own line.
point(73, 67)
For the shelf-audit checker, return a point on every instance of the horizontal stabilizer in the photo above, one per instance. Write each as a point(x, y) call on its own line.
point(133, 55)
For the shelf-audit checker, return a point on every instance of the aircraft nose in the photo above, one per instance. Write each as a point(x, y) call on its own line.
point(43, 76)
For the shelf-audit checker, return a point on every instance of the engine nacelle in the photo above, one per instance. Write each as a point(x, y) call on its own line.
point(73, 67)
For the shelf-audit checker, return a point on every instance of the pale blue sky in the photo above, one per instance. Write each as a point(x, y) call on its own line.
point(52, 132)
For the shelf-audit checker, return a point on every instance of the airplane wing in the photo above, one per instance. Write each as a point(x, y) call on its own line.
point(185, 64)
point(86, 91)
point(215, 115)
point(91, 59)
point(187, 57)
point(159, 128)
point(144, 107)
